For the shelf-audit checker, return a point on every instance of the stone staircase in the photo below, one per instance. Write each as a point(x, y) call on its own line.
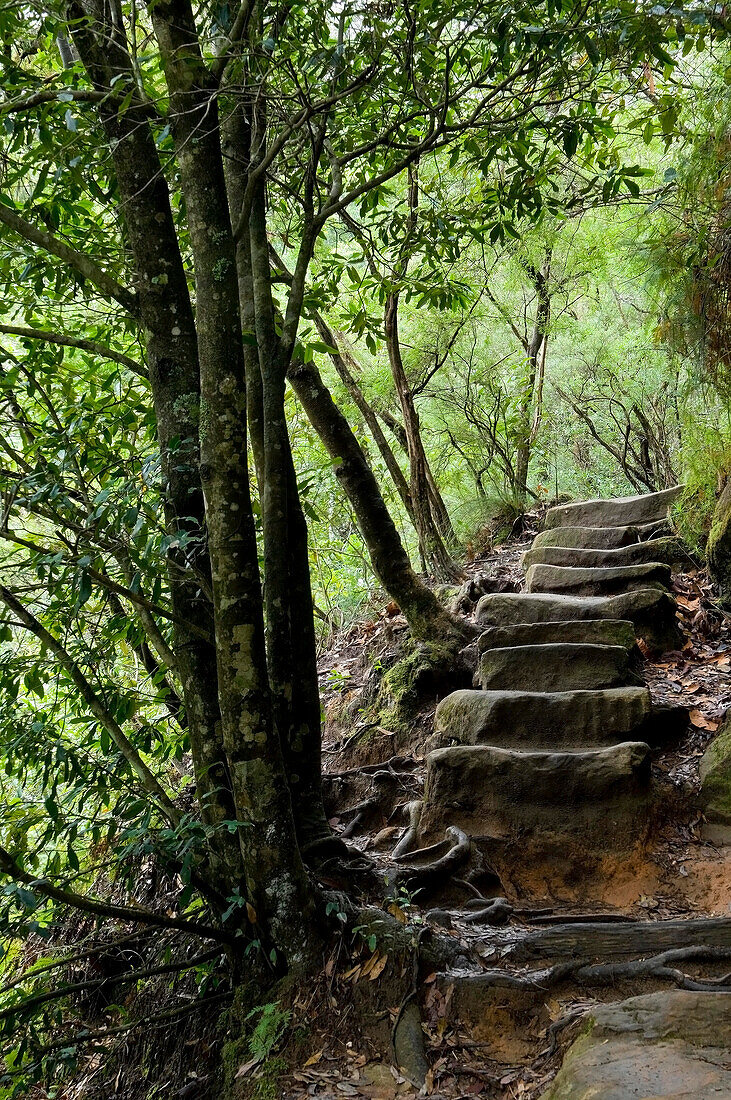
point(547, 761)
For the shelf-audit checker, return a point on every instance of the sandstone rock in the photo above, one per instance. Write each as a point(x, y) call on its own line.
point(567, 666)
point(622, 511)
point(669, 551)
point(593, 631)
point(673, 1044)
point(596, 582)
point(651, 611)
point(715, 772)
point(542, 721)
point(600, 797)
point(588, 538)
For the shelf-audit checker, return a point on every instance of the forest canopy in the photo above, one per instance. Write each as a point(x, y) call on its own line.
point(301, 303)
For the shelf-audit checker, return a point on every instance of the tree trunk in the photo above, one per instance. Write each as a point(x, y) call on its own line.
point(425, 614)
point(535, 354)
point(431, 543)
point(276, 881)
point(340, 362)
point(166, 318)
point(291, 634)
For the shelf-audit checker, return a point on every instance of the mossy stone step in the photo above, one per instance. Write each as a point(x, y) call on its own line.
point(650, 610)
point(600, 798)
point(592, 631)
point(608, 581)
point(544, 721)
point(559, 666)
point(668, 551)
point(619, 512)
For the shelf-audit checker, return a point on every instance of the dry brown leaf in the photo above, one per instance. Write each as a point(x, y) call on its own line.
point(378, 968)
point(700, 721)
point(246, 1067)
point(368, 966)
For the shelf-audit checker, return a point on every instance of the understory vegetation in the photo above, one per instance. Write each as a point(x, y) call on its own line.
point(304, 306)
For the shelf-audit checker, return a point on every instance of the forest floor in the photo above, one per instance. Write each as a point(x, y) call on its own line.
point(510, 1052)
point(338, 1040)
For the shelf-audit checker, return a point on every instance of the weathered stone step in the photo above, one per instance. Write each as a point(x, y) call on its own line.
point(592, 631)
point(588, 538)
point(599, 798)
point(620, 512)
point(601, 538)
point(673, 1045)
point(564, 721)
point(596, 582)
point(651, 611)
point(668, 551)
point(545, 721)
point(561, 666)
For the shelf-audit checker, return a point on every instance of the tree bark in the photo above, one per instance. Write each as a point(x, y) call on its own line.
point(426, 616)
point(166, 317)
point(431, 544)
point(277, 884)
point(535, 353)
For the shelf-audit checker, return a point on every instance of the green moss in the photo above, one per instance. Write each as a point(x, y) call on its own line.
point(715, 771)
point(412, 681)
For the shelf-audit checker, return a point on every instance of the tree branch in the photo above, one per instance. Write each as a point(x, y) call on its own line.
point(149, 782)
point(80, 263)
point(75, 342)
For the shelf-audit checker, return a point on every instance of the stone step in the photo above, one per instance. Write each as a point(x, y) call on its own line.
point(599, 798)
point(671, 1045)
point(620, 512)
point(588, 538)
point(545, 721)
point(592, 631)
point(651, 611)
point(668, 551)
point(558, 666)
point(608, 581)
point(601, 538)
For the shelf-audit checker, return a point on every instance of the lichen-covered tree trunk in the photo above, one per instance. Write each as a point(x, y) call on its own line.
point(426, 616)
point(276, 881)
point(166, 318)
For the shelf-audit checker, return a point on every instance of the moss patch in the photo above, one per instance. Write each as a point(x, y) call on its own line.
point(715, 771)
point(426, 671)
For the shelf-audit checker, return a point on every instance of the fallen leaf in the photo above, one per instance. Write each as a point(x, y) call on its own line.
point(246, 1067)
point(699, 720)
point(377, 970)
point(396, 912)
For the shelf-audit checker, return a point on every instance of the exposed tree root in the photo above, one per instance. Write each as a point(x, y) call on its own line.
point(413, 810)
point(428, 867)
point(658, 967)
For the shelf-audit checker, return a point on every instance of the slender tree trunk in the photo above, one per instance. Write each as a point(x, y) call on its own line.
point(425, 614)
point(340, 362)
point(290, 614)
point(277, 884)
point(431, 543)
point(535, 353)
